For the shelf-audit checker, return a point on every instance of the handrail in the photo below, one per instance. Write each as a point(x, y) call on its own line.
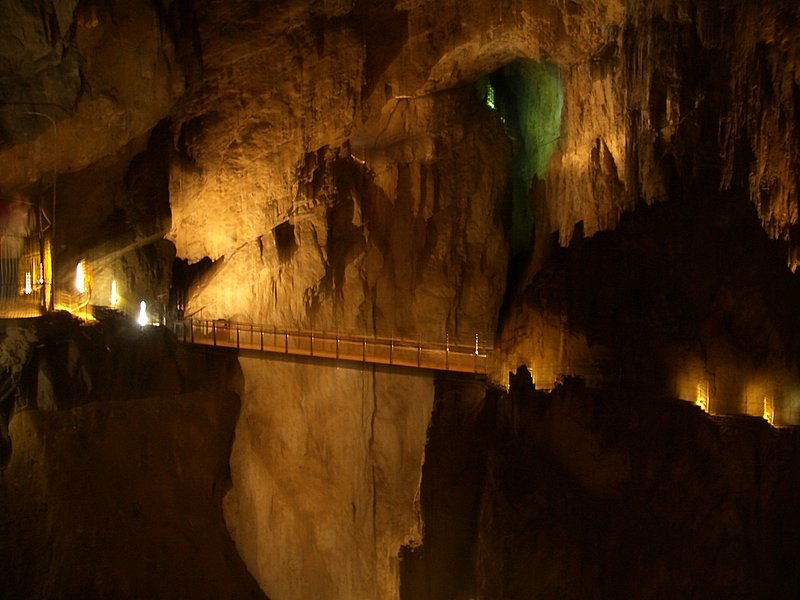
point(224, 324)
point(341, 346)
point(400, 352)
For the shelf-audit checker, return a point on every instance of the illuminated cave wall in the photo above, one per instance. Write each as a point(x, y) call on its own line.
point(334, 162)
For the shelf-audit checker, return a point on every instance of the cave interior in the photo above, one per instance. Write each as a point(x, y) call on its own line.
point(412, 299)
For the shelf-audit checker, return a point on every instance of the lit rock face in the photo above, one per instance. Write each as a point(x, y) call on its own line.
point(373, 108)
point(334, 159)
point(397, 245)
point(691, 108)
point(680, 97)
point(325, 469)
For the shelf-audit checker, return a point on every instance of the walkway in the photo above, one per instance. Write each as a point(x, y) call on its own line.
point(375, 350)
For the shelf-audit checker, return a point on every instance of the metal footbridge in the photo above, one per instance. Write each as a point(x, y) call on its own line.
point(337, 346)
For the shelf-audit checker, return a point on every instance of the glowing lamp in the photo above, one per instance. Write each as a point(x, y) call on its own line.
point(702, 396)
point(28, 287)
point(80, 278)
point(768, 415)
point(142, 318)
point(114, 299)
point(490, 102)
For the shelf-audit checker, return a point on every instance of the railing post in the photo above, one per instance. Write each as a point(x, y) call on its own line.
point(311, 343)
point(476, 352)
point(337, 346)
point(286, 342)
point(364, 349)
point(251, 334)
point(419, 354)
point(214, 330)
point(446, 351)
point(262, 339)
point(237, 337)
point(191, 328)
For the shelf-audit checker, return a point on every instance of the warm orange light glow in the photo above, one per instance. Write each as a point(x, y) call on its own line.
point(80, 278)
point(114, 299)
point(28, 287)
point(769, 412)
point(702, 395)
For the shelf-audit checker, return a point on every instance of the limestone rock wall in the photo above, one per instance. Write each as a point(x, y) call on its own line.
point(677, 296)
point(393, 240)
point(325, 470)
point(334, 160)
point(106, 73)
point(119, 448)
point(692, 105)
point(587, 494)
point(678, 96)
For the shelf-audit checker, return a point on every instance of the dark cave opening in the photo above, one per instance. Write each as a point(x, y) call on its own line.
point(528, 96)
point(285, 243)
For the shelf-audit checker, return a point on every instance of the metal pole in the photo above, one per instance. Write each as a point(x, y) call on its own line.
point(337, 345)
point(476, 351)
point(446, 351)
point(286, 342)
point(262, 340)
point(237, 337)
point(214, 330)
point(364, 349)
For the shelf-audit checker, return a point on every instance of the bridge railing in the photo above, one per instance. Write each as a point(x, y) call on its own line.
point(372, 349)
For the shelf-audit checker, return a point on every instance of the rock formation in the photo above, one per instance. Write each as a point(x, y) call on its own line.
point(578, 494)
point(604, 189)
point(118, 469)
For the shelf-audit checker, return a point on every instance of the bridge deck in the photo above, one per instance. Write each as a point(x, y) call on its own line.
point(375, 350)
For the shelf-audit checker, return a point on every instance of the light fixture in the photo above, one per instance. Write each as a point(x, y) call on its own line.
point(702, 396)
point(142, 319)
point(28, 287)
point(80, 278)
point(769, 415)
